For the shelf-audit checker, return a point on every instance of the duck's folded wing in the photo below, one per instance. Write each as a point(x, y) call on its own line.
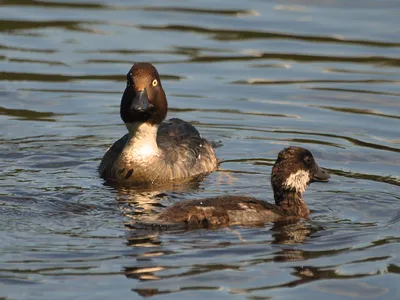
point(177, 131)
point(179, 139)
point(221, 211)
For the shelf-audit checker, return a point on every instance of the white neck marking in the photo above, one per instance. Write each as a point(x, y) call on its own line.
point(298, 181)
point(142, 142)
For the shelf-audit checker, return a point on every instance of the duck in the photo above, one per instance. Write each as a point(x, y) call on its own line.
point(154, 150)
point(294, 169)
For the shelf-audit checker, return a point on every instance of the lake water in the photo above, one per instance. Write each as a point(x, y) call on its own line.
point(255, 76)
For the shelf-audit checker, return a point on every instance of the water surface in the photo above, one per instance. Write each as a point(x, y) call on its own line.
point(256, 76)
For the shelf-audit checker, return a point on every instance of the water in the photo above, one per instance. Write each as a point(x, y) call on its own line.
point(256, 76)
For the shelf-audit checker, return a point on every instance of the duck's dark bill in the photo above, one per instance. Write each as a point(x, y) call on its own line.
point(141, 102)
point(321, 175)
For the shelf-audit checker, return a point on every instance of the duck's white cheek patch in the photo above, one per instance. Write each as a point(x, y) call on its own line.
point(298, 181)
point(243, 206)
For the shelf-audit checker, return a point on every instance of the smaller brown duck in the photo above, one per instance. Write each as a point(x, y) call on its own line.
point(293, 171)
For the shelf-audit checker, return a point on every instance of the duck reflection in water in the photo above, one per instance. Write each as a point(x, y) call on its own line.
point(149, 264)
point(144, 201)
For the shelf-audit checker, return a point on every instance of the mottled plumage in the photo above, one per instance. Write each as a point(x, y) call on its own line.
point(220, 211)
point(227, 210)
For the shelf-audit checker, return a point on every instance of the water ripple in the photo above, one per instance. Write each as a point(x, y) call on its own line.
point(253, 77)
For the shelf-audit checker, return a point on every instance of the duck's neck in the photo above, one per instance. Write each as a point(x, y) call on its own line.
point(142, 140)
point(292, 203)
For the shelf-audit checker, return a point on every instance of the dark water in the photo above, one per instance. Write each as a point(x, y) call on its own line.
point(255, 75)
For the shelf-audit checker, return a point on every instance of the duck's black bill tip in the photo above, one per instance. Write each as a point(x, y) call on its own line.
point(321, 175)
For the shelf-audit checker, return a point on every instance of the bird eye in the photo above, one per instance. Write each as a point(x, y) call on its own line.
point(308, 160)
point(155, 82)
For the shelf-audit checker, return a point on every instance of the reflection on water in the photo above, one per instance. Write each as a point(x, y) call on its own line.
point(254, 77)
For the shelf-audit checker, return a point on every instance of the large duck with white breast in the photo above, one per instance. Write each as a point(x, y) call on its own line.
point(154, 150)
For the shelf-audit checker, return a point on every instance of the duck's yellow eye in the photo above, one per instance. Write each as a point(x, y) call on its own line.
point(155, 82)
